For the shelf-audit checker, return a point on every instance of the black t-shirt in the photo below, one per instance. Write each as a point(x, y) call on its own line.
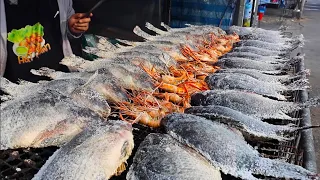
point(34, 38)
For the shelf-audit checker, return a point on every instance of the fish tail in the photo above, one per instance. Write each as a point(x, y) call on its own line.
point(168, 28)
point(307, 127)
point(44, 71)
point(138, 31)
point(6, 85)
point(312, 102)
point(152, 28)
point(279, 169)
point(300, 84)
point(297, 59)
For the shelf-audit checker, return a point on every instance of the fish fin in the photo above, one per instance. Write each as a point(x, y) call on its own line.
point(138, 31)
point(65, 130)
point(44, 71)
point(270, 167)
point(130, 43)
point(168, 28)
point(156, 30)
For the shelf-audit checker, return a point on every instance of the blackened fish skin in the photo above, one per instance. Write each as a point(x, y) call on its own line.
point(161, 157)
point(226, 150)
point(248, 103)
point(95, 153)
point(42, 119)
point(252, 128)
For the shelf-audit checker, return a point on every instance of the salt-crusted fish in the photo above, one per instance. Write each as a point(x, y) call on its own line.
point(161, 157)
point(42, 119)
point(243, 63)
point(248, 83)
point(258, 51)
point(98, 152)
point(251, 128)
point(248, 103)
point(66, 87)
point(228, 151)
point(267, 76)
point(53, 74)
point(25, 88)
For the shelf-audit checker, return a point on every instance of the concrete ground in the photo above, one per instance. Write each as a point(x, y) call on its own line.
point(309, 26)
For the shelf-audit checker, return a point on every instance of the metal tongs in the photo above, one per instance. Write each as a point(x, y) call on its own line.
point(94, 7)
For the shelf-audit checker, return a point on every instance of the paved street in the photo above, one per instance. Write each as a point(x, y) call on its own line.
point(310, 30)
point(309, 26)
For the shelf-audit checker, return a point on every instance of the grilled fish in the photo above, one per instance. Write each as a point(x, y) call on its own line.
point(66, 87)
point(98, 152)
point(252, 56)
point(248, 103)
point(25, 88)
point(160, 156)
point(258, 51)
point(248, 83)
point(266, 45)
point(228, 151)
point(252, 128)
point(45, 118)
point(243, 63)
point(267, 76)
point(51, 73)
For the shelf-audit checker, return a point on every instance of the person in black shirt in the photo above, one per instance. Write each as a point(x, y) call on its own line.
point(37, 36)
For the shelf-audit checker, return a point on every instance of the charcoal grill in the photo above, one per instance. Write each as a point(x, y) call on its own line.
point(25, 163)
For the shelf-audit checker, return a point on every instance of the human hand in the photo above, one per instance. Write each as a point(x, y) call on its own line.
point(79, 23)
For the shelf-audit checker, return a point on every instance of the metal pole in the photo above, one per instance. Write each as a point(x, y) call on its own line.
point(240, 13)
point(301, 7)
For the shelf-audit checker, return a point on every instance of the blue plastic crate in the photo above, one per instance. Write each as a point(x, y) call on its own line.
point(202, 12)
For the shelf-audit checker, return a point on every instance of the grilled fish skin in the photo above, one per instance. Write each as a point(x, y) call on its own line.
point(45, 118)
point(266, 45)
point(258, 51)
point(251, 128)
point(226, 150)
point(161, 157)
point(242, 31)
point(51, 73)
point(252, 56)
point(248, 103)
point(245, 82)
point(100, 86)
point(243, 63)
point(267, 76)
point(64, 86)
point(95, 153)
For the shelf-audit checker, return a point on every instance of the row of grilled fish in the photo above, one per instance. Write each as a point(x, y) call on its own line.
point(69, 112)
point(240, 99)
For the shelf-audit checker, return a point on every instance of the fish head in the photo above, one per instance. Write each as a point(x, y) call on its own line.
point(119, 141)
